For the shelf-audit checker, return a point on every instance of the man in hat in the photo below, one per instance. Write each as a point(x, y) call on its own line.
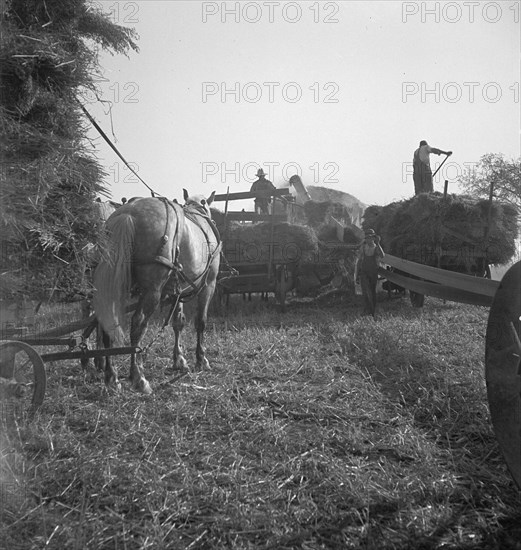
point(422, 174)
point(366, 269)
point(262, 184)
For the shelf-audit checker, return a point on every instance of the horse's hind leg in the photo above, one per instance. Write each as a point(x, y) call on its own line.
point(178, 323)
point(111, 376)
point(203, 301)
point(148, 303)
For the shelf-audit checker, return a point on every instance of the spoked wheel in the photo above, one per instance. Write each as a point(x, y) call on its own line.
point(22, 378)
point(503, 368)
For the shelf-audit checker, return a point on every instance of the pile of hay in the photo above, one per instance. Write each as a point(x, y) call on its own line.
point(352, 234)
point(49, 179)
point(252, 242)
point(318, 213)
point(413, 228)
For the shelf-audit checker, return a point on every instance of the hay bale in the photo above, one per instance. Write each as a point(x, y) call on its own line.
point(413, 228)
point(251, 242)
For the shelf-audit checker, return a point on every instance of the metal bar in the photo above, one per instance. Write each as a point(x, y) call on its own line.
point(76, 325)
point(38, 341)
point(70, 327)
point(87, 354)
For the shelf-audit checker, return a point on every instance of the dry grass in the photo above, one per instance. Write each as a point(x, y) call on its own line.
point(313, 429)
point(416, 225)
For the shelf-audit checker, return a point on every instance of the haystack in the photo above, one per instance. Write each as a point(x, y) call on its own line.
point(49, 179)
point(251, 242)
point(414, 228)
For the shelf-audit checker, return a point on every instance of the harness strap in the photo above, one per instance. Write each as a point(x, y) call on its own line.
point(163, 261)
point(192, 216)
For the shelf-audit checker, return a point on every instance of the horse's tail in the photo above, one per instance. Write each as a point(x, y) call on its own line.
point(112, 278)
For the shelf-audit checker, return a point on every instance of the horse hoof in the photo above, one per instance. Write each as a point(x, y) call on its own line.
point(202, 364)
point(143, 386)
point(180, 364)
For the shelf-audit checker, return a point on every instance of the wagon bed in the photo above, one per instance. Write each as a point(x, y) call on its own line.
point(271, 275)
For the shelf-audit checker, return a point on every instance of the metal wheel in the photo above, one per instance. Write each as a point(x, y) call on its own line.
point(503, 368)
point(22, 378)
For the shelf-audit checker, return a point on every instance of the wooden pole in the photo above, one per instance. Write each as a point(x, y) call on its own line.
point(445, 189)
point(271, 242)
point(489, 221)
point(438, 169)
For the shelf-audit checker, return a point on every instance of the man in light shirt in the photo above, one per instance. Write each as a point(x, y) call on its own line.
point(422, 174)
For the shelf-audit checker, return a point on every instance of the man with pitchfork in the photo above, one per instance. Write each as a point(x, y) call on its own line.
point(422, 174)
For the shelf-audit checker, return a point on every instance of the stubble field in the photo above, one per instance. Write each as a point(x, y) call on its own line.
point(313, 429)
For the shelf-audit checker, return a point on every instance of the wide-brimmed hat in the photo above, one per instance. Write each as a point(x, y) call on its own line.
point(260, 172)
point(370, 233)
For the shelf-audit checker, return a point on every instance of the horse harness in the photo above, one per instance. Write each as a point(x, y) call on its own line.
point(194, 216)
point(175, 266)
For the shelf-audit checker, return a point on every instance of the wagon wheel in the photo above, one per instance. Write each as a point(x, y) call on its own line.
point(22, 376)
point(417, 299)
point(503, 369)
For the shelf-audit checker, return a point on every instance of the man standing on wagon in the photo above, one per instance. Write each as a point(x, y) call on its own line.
point(422, 174)
point(366, 269)
point(262, 184)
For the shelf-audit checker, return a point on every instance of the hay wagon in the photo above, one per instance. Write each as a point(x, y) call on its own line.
point(263, 264)
point(293, 247)
point(452, 233)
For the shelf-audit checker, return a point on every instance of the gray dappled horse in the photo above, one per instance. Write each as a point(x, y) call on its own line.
point(160, 250)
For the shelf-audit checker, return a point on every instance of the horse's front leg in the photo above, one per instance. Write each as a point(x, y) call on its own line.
point(148, 303)
point(178, 323)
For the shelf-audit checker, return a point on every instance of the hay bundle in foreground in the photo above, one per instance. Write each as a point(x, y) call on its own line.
point(456, 226)
point(252, 242)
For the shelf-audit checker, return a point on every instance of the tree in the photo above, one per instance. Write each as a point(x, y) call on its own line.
point(49, 177)
point(494, 168)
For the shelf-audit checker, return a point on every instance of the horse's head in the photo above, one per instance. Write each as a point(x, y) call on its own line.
point(198, 202)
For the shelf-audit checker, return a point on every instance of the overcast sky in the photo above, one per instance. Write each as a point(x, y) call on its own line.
point(340, 92)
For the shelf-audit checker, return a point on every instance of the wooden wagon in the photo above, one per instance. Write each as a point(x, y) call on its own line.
point(261, 272)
